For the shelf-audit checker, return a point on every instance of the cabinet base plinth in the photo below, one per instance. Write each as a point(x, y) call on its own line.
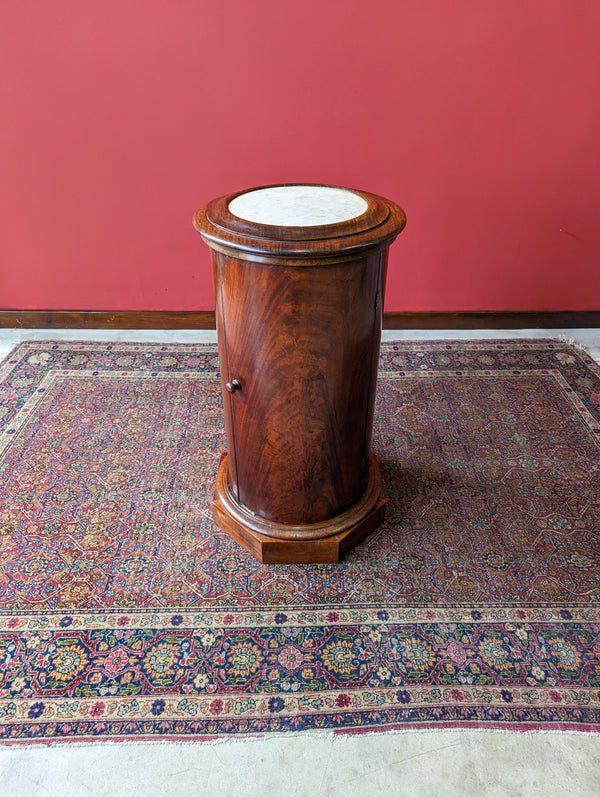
point(276, 543)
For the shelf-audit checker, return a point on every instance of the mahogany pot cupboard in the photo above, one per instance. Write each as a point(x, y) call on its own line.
point(299, 274)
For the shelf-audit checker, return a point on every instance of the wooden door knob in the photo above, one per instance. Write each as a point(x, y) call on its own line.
point(232, 386)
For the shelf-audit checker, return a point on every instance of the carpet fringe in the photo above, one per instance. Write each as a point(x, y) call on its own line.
point(575, 344)
point(325, 737)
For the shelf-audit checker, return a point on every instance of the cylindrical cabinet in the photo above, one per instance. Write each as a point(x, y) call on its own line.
point(299, 273)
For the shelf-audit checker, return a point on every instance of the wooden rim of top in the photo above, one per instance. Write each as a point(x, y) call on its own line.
point(375, 228)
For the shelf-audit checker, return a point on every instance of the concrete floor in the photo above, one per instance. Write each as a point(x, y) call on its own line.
point(479, 763)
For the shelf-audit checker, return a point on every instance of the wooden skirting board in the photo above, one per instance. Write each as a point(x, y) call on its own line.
point(160, 319)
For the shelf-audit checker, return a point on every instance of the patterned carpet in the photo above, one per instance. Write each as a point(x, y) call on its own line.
point(125, 613)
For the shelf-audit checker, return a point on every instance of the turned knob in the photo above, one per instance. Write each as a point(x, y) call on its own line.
point(232, 386)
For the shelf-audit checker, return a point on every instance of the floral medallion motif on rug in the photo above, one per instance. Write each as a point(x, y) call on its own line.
point(125, 613)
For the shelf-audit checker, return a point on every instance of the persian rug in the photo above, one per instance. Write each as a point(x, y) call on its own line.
point(126, 614)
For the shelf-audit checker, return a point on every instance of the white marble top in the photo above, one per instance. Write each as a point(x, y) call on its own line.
point(298, 205)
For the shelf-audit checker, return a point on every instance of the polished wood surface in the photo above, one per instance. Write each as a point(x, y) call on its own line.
point(298, 312)
point(303, 346)
point(205, 319)
point(276, 543)
point(302, 246)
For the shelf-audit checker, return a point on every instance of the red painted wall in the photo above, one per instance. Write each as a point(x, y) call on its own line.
point(120, 118)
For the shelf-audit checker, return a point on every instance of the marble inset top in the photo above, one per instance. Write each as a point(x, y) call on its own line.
point(298, 205)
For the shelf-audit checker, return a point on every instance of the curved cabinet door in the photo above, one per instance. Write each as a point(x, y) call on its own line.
point(303, 344)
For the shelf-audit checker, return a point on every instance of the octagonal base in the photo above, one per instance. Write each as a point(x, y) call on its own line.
point(278, 543)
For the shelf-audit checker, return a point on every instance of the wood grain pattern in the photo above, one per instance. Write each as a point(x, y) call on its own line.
point(325, 542)
point(304, 345)
point(299, 246)
point(298, 312)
